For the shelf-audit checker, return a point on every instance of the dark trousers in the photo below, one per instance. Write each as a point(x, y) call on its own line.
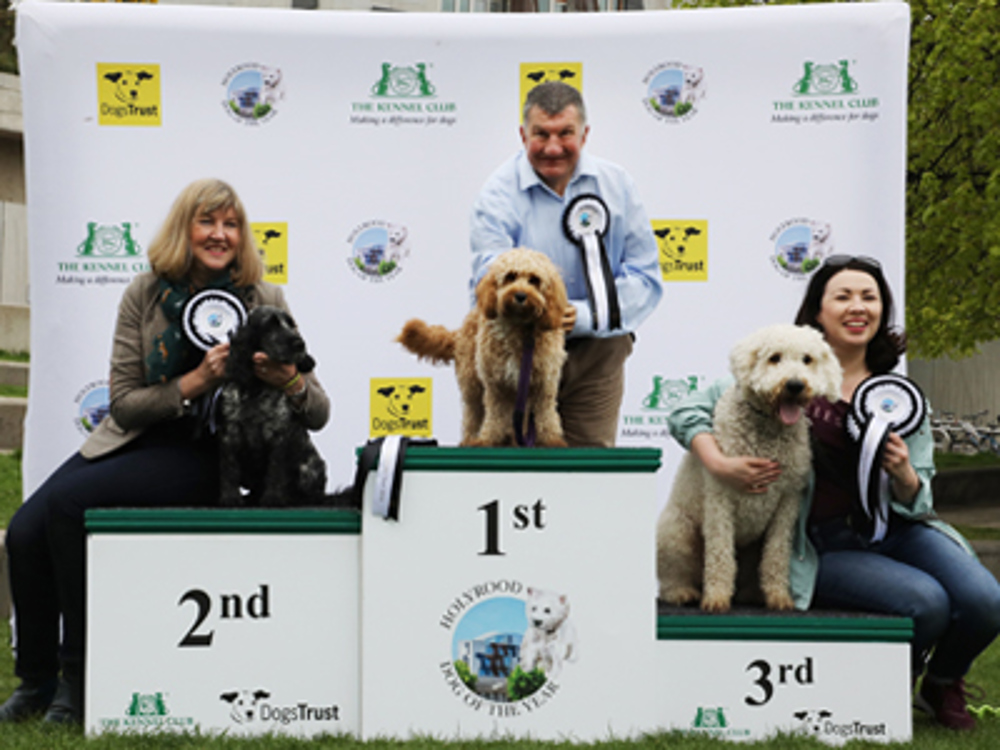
point(46, 540)
point(591, 390)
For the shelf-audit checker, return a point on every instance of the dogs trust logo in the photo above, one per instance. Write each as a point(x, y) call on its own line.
point(674, 91)
point(249, 706)
point(683, 249)
point(272, 243)
point(401, 406)
point(509, 644)
point(800, 245)
point(253, 93)
point(128, 94)
point(532, 74)
point(377, 249)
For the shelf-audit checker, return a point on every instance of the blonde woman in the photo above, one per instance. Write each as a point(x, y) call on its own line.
point(152, 450)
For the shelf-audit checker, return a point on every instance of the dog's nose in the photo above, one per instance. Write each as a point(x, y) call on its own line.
point(794, 387)
point(520, 298)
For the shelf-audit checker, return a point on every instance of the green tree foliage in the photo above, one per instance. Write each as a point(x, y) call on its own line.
point(953, 177)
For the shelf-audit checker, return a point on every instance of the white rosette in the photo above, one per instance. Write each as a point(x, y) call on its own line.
point(211, 316)
point(585, 222)
point(881, 404)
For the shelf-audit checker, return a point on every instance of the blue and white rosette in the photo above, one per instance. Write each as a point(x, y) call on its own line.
point(211, 317)
point(585, 223)
point(881, 404)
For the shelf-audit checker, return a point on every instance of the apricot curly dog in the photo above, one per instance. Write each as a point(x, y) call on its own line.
point(520, 300)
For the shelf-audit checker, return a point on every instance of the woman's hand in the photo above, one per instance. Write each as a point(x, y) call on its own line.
point(209, 373)
point(744, 473)
point(896, 462)
point(275, 374)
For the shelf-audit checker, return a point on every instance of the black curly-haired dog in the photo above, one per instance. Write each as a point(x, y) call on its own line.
point(263, 444)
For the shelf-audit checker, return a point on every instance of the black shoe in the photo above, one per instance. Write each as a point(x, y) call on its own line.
point(67, 705)
point(28, 701)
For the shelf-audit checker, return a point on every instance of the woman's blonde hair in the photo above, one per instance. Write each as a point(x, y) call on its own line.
point(170, 251)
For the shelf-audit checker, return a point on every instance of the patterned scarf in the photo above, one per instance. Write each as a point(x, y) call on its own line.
point(173, 354)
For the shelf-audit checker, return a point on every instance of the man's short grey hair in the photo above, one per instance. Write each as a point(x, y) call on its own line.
point(552, 97)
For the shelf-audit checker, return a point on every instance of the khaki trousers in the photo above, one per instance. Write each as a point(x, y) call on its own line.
point(591, 390)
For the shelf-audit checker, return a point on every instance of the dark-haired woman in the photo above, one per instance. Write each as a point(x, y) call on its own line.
point(921, 568)
point(150, 451)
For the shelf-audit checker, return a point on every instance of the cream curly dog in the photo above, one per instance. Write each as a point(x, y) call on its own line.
point(521, 296)
point(778, 370)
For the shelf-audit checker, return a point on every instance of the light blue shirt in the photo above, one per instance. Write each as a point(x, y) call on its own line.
point(516, 209)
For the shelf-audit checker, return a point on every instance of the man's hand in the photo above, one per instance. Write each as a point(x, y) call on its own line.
point(569, 318)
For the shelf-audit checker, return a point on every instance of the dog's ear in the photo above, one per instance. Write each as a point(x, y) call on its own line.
point(113, 77)
point(556, 302)
point(486, 295)
point(743, 358)
point(229, 697)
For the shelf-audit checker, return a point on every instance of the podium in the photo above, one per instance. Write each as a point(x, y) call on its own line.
point(238, 621)
point(513, 596)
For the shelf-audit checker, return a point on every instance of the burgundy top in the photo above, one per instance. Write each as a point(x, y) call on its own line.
point(835, 460)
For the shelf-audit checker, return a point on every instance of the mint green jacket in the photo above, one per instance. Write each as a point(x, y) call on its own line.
point(694, 415)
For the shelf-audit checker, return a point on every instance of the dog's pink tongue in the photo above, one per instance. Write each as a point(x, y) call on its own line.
point(790, 413)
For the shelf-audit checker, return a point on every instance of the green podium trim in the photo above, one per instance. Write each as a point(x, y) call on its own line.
point(790, 627)
point(222, 521)
point(572, 460)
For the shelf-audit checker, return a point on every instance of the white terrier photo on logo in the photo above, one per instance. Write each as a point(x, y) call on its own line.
point(550, 639)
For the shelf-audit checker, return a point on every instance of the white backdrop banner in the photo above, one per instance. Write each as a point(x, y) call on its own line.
point(761, 141)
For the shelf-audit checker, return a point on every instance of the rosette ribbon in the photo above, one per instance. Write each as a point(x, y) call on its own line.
point(211, 316)
point(585, 223)
point(881, 404)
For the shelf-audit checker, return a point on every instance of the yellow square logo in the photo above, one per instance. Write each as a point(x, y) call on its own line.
point(683, 248)
point(401, 406)
point(272, 242)
point(533, 74)
point(128, 94)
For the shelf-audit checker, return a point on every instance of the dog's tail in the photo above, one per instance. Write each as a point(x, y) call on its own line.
point(435, 343)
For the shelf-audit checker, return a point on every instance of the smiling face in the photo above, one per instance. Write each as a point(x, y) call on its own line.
point(553, 144)
point(850, 310)
point(215, 240)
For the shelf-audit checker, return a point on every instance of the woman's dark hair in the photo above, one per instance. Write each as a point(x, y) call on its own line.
point(889, 343)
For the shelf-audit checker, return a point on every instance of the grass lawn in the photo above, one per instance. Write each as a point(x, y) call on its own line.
point(35, 736)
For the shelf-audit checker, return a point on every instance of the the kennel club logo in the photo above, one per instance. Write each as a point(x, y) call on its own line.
point(712, 720)
point(147, 711)
point(510, 645)
point(108, 253)
point(128, 94)
point(674, 91)
point(404, 95)
point(272, 243)
point(248, 707)
point(663, 395)
point(93, 404)
point(800, 245)
point(683, 248)
point(401, 406)
point(826, 92)
point(377, 250)
point(253, 92)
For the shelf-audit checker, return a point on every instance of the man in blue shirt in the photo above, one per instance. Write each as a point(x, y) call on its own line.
point(585, 214)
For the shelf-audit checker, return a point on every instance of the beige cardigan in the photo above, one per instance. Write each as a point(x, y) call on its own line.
point(135, 405)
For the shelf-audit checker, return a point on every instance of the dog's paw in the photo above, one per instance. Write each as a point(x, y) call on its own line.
point(680, 596)
point(715, 603)
point(778, 600)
